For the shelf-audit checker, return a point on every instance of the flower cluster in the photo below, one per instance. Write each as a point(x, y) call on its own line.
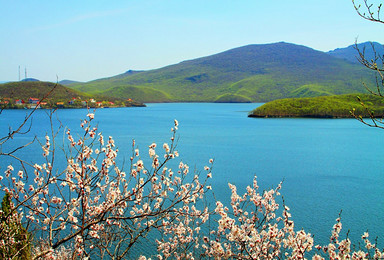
point(249, 228)
point(93, 203)
point(94, 208)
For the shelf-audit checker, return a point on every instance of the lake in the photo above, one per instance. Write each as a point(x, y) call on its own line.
point(327, 165)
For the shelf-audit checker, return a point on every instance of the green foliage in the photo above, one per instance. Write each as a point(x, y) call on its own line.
point(38, 89)
point(311, 90)
point(139, 94)
point(338, 106)
point(232, 98)
point(12, 230)
point(260, 73)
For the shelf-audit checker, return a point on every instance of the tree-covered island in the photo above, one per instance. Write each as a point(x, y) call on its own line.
point(337, 106)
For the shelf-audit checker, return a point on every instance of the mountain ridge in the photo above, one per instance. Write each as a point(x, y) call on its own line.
point(255, 72)
point(351, 54)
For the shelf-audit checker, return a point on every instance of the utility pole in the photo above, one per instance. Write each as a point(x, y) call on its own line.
point(19, 72)
point(25, 72)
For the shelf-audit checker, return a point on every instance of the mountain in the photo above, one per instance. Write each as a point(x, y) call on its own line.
point(351, 53)
point(252, 73)
point(29, 79)
point(67, 82)
point(127, 73)
point(119, 76)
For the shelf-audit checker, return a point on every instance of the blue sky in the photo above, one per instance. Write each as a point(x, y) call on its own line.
point(85, 40)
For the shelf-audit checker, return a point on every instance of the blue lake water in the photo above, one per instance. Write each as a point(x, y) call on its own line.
point(327, 165)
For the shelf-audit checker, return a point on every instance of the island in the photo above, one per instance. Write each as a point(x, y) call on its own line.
point(336, 106)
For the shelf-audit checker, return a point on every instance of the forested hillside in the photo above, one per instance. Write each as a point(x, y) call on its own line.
point(339, 106)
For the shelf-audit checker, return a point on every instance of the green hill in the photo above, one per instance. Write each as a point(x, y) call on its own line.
point(256, 73)
point(321, 107)
point(38, 89)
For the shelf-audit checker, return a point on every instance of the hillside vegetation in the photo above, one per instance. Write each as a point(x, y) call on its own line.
point(256, 73)
point(321, 107)
point(38, 89)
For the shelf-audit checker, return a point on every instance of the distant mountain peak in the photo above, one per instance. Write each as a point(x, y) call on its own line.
point(29, 79)
point(131, 72)
point(66, 82)
point(351, 54)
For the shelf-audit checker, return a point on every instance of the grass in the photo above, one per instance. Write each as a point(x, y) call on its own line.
point(338, 106)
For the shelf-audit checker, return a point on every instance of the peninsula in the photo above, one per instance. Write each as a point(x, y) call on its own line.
point(32, 94)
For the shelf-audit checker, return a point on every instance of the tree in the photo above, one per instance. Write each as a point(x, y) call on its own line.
point(371, 11)
point(16, 241)
point(94, 208)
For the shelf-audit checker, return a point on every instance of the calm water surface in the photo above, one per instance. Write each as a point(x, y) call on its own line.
point(327, 165)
